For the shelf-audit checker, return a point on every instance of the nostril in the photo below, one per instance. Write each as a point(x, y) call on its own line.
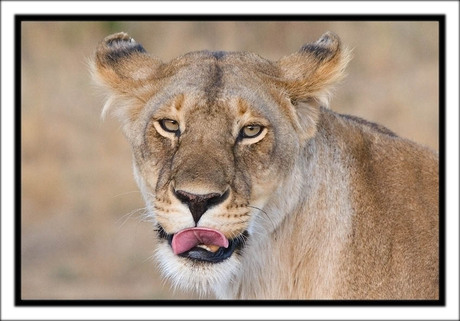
point(187, 198)
point(198, 204)
point(217, 199)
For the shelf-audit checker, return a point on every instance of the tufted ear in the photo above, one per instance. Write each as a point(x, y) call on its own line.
point(309, 73)
point(124, 69)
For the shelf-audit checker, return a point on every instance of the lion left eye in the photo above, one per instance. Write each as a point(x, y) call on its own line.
point(251, 131)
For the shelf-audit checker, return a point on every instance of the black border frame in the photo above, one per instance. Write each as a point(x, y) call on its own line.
point(441, 19)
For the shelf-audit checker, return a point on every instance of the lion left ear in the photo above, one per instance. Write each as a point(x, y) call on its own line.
point(308, 74)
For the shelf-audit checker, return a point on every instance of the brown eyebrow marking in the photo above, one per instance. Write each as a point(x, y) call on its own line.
point(179, 101)
point(242, 106)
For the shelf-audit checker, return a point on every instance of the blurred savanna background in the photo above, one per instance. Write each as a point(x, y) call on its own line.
point(83, 233)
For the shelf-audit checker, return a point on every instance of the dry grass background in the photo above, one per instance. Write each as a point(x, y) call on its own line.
point(82, 236)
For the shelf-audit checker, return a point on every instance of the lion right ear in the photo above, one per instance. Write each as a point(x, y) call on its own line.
point(124, 69)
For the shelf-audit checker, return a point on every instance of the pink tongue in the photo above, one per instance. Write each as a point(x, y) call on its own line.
point(191, 237)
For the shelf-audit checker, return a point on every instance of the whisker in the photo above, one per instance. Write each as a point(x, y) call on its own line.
point(149, 259)
point(266, 214)
point(243, 237)
point(122, 194)
point(127, 216)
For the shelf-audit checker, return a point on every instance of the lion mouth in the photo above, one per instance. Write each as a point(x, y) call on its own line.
point(203, 244)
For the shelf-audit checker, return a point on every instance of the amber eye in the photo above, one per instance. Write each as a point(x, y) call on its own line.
point(251, 131)
point(170, 125)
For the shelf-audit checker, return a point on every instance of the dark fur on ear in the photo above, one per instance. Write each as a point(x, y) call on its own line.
point(117, 47)
point(125, 70)
point(307, 77)
point(309, 73)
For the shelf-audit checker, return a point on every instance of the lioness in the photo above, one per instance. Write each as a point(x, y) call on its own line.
point(258, 190)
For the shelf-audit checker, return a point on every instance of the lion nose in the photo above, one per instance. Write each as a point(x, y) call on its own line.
point(199, 204)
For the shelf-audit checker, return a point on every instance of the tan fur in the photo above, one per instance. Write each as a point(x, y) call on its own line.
point(335, 207)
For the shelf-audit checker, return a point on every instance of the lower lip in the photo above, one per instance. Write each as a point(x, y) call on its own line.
point(202, 255)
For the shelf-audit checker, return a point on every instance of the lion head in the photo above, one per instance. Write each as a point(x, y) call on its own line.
point(215, 138)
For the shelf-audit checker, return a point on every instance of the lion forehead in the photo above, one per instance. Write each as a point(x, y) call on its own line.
point(232, 84)
point(216, 73)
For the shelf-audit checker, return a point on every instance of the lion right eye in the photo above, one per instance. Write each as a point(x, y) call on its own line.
point(170, 126)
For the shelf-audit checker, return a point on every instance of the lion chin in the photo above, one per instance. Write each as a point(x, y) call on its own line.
point(258, 190)
point(199, 277)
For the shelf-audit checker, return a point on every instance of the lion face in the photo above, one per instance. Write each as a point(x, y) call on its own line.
point(209, 161)
point(215, 137)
